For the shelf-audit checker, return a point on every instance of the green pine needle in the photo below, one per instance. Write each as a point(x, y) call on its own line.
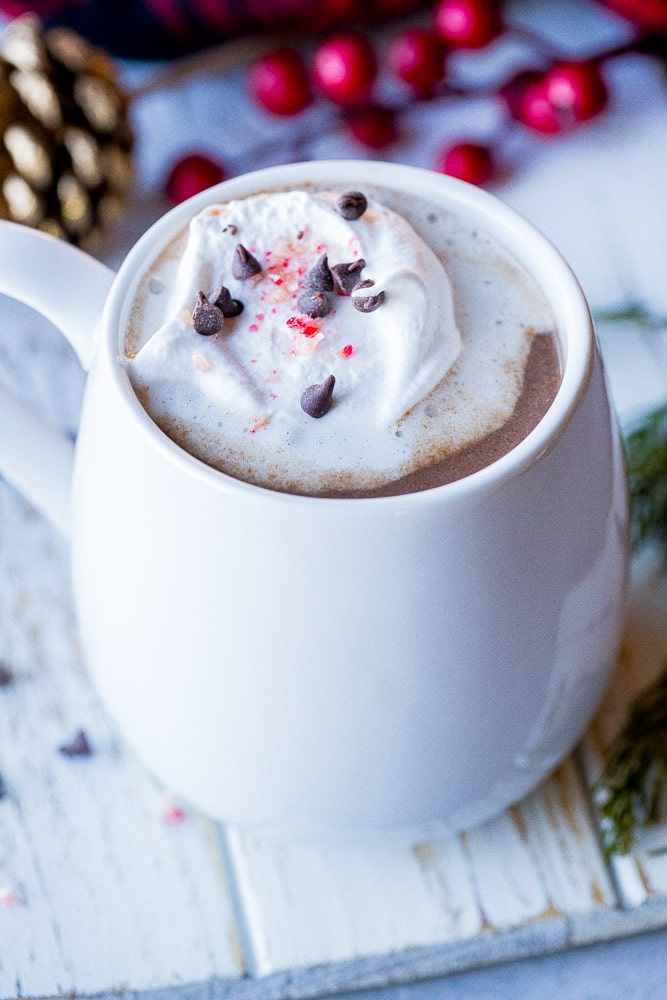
point(646, 457)
point(629, 790)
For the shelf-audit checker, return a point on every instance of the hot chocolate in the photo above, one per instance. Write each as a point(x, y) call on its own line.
point(341, 343)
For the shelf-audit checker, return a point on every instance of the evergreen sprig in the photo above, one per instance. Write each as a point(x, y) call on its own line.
point(628, 792)
point(646, 457)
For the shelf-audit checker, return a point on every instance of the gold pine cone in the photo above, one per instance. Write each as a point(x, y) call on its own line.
point(65, 138)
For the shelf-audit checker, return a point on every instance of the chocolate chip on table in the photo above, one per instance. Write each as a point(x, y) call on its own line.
point(352, 205)
point(6, 674)
point(207, 318)
point(244, 264)
point(366, 303)
point(346, 276)
point(78, 747)
point(319, 278)
point(228, 306)
point(316, 399)
point(313, 304)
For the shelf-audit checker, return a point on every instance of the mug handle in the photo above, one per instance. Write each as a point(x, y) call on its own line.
point(68, 287)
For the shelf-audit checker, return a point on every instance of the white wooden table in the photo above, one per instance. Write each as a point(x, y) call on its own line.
point(104, 885)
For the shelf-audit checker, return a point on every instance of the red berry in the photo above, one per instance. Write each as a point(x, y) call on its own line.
point(417, 57)
point(528, 103)
point(557, 100)
point(468, 161)
point(192, 174)
point(537, 112)
point(373, 125)
point(279, 82)
point(648, 14)
point(576, 89)
point(344, 68)
point(467, 24)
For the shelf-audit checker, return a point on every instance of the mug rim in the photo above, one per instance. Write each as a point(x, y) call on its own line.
point(521, 237)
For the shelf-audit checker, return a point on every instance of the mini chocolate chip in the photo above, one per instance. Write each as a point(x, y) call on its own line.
point(231, 229)
point(244, 264)
point(346, 276)
point(366, 303)
point(313, 304)
point(78, 747)
point(228, 306)
point(316, 399)
point(207, 318)
point(6, 674)
point(319, 278)
point(352, 205)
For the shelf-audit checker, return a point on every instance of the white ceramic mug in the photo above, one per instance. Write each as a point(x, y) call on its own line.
point(450, 645)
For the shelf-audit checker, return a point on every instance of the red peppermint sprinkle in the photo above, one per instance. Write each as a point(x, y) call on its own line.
point(347, 351)
point(259, 423)
point(253, 328)
point(259, 316)
point(303, 325)
point(8, 896)
point(173, 814)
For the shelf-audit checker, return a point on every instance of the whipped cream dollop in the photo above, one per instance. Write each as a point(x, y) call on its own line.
point(260, 363)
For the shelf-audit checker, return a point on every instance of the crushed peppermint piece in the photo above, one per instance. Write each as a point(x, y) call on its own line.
point(346, 276)
point(223, 300)
point(306, 345)
point(8, 896)
point(201, 362)
point(78, 747)
point(172, 812)
point(313, 304)
point(262, 421)
point(316, 399)
point(244, 264)
point(301, 325)
point(347, 351)
point(319, 278)
point(352, 205)
point(366, 303)
point(206, 317)
point(253, 328)
point(6, 674)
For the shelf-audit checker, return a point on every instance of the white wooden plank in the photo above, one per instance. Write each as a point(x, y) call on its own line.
point(108, 894)
point(308, 904)
point(556, 822)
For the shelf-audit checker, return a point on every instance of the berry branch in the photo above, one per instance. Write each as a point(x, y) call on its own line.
point(552, 95)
